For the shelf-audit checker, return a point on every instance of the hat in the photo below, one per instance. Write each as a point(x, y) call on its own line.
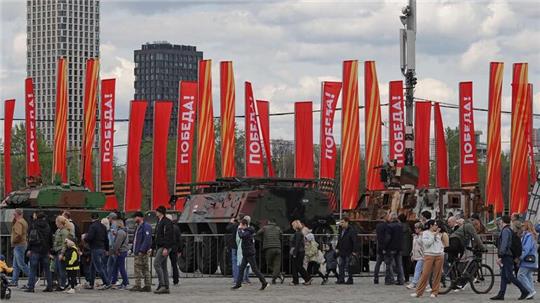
point(161, 209)
point(112, 216)
point(138, 214)
point(2, 258)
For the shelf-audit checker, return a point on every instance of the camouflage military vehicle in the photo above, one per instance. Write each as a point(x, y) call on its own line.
point(209, 212)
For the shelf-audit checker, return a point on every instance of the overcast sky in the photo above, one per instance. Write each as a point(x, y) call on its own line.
point(286, 48)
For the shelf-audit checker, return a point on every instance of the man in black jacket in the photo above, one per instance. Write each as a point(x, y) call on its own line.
point(392, 248)
point(246, 233)
point(39, 244)
point(175, 249)
point(98, 242)
point(345, 248)
point(164, 244)
point(381, 233)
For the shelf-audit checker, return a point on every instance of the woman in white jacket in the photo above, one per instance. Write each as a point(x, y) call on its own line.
point(433, 259)
point(417, 254)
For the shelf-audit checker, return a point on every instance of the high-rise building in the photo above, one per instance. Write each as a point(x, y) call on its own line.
point(60, 28)
point(159, 67)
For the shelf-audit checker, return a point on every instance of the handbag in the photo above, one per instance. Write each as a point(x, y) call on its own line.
point(530, 258)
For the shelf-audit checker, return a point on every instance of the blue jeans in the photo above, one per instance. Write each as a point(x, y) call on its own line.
point(60, 269)
point(18, 263)
point(417, 271)
point(39, 260)
point(525, 276)
point(236, 268)
point(392, 258)
point(343, 263)
point(120, 266)
point(507, 276)
point(110, 269)
point(98, 267)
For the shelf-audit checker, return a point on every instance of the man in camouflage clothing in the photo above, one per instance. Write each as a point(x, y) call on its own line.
point(142, 244)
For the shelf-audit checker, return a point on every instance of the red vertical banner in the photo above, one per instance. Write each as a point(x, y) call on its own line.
point(350, 137)
point(467, 141)
point(227, 91)
point(263, 108)
point(33, 170)
point(396, 120)
point(107, 143)
point(60, 125)
point(9, 108)
point(90, 109)
point(187, 112)
point(530, 140)
point(519, 183)
point(206, 148)
point(441, 152)
point(254, 150)
point(327, 159)
point(133, 194)
point(160, 189)
point(422, 126)
point(373, 127)
point(494, 194)
point(303, 140)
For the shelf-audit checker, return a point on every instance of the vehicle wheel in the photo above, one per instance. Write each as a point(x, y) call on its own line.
point(186, 261)
point(482, 280)
point(207, 255)
point(225, 265)
point(447, 282)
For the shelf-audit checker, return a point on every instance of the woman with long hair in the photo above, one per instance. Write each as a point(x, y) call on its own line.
point(432, 240)
point(60, 236)
point(529, 257)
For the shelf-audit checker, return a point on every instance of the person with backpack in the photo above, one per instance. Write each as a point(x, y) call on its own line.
point(120, 250)
point(39, 244)
point(509, 248)
point(529, 258)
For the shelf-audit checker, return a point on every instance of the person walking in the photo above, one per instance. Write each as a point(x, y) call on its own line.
point(71, 263)
point(19, 231)
point(60, 236)
point(142, 243)
point(529, 258)
point(392, 256)
point(112, 228)
point(297, 254)
point(239, 254)
point(506, 261)
point(175, 249)
point(120, 250)
point(330, 261)
point(98, 242)
point(246, 233)
point(406, 248)
point(232, 229)
point(345, 248)
point(381, 237)
point(433, 259)
point(314, 257)
point(271, 243)
point(39, 244)
point(164, 238)
point(417, 254)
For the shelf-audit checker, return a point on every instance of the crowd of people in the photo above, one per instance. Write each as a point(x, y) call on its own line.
point(415, 258)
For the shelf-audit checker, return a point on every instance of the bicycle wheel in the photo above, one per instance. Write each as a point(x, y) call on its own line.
point(447, 281)
point(482, 280)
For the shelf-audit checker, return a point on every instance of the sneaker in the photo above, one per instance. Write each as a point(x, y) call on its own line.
point(163, 290)
point(146, 289)
point(433, 296)
point(415, 295)
point(118, 283)
point(411, 286)
point(531, 295)
point(48, 289)
point(24, 287)
point(58, 288)
point(121, 287)
point(523, 295)
point(71, 291)
point(29, 290)
point(428, 289)
point(264, 286)
point(13, 284)
point(88, 286)
point(324, 282)
point(237, 286)
point(105, 287)
point(308, 282)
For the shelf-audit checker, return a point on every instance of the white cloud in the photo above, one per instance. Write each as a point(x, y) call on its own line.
point(477, 54)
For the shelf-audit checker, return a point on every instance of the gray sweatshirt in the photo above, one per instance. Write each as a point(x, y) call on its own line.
point(121, 243)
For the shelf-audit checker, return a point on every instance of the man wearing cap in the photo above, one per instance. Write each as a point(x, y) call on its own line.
point(164, 239)
point(97, 240)
point(142, 244)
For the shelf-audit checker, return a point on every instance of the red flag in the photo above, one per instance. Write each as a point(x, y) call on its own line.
point(441, 152)
point(530, 143)
point(396, 120)
point(303, 140)
point(228, 167)
point(206, 149)
point(469, 162)
point(107, 143)
point(9, 108)
point(187, 112)
point(327, 161)
point(60, 126)
point(162, 118)
point(350, 137)
point(422, 126)
point(254, 153)
point(33, 169)
point(90, 108)
point(494, 194)
point(263, 109)
point(133, 194)
point(519, 184)
point(373, 127)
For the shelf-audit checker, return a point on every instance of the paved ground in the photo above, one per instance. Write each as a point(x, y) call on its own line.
point(217, 290)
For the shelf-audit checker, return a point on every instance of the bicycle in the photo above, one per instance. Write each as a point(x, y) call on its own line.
point(479, 276)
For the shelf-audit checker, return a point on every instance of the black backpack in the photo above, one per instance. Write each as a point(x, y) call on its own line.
point(34, 238)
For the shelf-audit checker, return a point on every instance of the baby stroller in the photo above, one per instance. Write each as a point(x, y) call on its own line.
point(5, 292)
